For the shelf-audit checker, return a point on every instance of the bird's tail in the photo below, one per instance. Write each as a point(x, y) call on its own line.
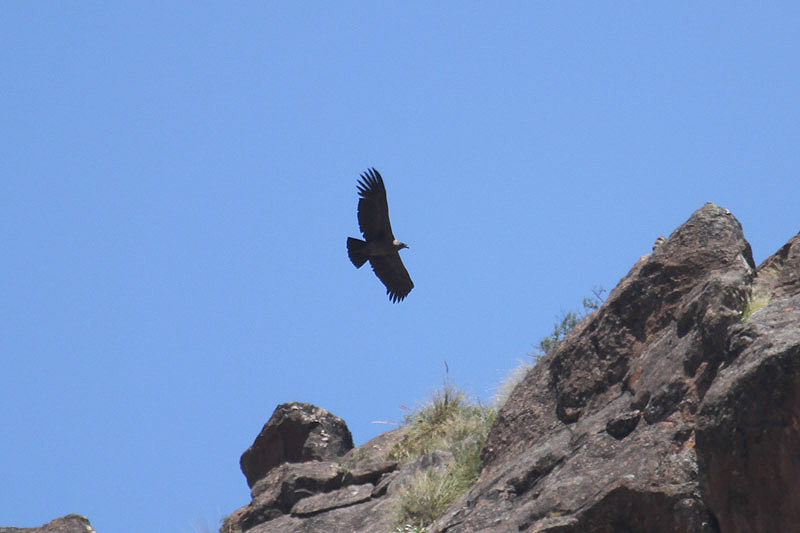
point(355, 251)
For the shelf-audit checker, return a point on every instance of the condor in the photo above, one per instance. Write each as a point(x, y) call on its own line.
point(379, 246)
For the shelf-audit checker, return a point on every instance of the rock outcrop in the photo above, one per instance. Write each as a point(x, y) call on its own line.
point(296, 432)
point(340, 489)
point(357, 492)
point(675, 407)
point(72, 523)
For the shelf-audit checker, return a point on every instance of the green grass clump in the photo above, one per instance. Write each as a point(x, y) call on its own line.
point(448, 422)
point(756, 301)
point(424, 500)
point(442, 424)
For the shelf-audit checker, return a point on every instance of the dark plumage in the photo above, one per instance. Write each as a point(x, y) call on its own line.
point(380, 247)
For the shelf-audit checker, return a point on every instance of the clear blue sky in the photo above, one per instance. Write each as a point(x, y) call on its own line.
point(177, 181)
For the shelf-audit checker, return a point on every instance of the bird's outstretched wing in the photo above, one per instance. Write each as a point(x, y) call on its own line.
point(391, 271)
point(373, 210)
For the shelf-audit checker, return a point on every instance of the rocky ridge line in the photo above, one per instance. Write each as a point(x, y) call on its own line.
point(664, 411)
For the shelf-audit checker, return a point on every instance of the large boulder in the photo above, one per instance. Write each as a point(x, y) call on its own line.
point(354, 493)
point(295, 433)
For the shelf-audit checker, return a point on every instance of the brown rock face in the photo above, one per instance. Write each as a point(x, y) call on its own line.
point(296, 432)
point(748, 431)
point(283, 487)
point(72, 523)
point(779, 275)
point(352, 494)
point(601, 434)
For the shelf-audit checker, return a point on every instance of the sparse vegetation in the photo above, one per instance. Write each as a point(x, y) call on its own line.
point(448, 422)
point(566, 322)
point(424, 500)
point(442, 424)
point(504, 389)
point(226, 527)
point(757, 300)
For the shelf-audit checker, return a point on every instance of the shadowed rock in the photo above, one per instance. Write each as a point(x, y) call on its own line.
point(748, 434)
point(283, 487)
point(327, 501)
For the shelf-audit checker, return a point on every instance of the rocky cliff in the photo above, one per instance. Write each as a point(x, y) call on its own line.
point(675, 407)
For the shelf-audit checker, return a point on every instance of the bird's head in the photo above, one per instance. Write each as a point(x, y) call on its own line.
point(399, 245)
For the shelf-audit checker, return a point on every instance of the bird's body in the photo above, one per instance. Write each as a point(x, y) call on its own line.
point(379, 246)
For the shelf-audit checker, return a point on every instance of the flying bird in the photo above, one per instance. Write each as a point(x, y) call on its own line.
point(379, 246)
